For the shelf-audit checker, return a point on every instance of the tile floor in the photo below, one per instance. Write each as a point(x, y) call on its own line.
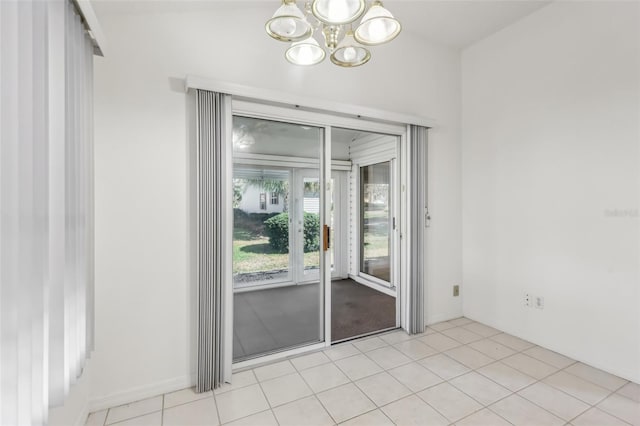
point(458, 372)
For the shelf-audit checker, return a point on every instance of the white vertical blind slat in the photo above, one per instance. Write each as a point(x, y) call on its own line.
point(9, 217)
point(58, 376)
point(46, 206)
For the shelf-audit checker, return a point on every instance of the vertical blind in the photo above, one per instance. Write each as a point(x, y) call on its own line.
point(213, 128)
point(46, 206)
point(418, 212)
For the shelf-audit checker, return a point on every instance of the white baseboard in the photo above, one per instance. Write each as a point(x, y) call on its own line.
point(81, 420)
point(141, 392)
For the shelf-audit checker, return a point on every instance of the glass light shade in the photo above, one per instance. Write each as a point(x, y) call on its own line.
point(337, 12)
point(306, 52)
point(377, 26)
point(288, 23)
point(349, 54)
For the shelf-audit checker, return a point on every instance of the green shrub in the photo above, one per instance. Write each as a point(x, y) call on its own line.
point(277, 229)
point(311, 232)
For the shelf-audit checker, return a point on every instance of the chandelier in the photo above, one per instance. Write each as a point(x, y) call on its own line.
point(334, 19)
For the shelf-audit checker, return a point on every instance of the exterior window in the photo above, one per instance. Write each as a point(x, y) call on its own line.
point(274, 198)
point(263, 201)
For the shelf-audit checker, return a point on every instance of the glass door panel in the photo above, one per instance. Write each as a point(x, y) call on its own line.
point(375, 220)
point(309, 225)
point(278, 296)
point(261, 252)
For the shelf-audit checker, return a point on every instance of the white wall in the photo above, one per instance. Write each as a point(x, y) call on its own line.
point(250, 202)
point(145, 320)
point(550, 181)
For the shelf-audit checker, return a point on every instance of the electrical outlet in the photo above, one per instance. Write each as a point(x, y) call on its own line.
point(527, 300)
point(539, 302)
point(456, 290)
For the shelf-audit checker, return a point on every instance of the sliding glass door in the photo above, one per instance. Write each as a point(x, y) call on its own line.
point(278, 293)
point(376, 221)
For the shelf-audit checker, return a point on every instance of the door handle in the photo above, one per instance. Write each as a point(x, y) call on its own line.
point(326, 241)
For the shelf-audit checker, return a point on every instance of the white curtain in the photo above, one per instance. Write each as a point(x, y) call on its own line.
point(418, 221)
point(46, 205)
point(213, 131)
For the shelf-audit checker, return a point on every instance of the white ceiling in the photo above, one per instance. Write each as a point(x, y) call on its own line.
point(455, 23)
point(460, 23)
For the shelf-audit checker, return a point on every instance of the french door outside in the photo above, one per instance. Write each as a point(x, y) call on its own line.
point(377, 222)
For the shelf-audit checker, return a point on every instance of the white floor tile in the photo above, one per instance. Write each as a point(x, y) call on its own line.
point(345, 402)
point(282, 390)
point(263, 418)
point(521, 412)
point(415, 376)
point(492, 348)
point(506, 376)
point(97, 418)
point(135, 409)
point(343, 350)
point(369, 344)
point(198, 413)
point(554, 401)
point(307, 361)
point(271, 371)
point(480, 388)
point(594, 375)
point(324, 377)
point(304, 412)
point(388, 357)
point(372, 418)
point(413, 411)
point(513, 342)
point(449, 401)
point(382, 388)
point(238, 380)
point(439, 341)
point(575, 386)
point(240, 403)
point(396, 337)
point(462, 335)
point(481, 364)
point(596, 417)
point(460, 321)
point(441, 326)
point(550, 357)
point(357, 367)
point(183, 396)
point(484, 417)
point(622, 408)
point(153, 419)
point(631, 390)
point(469, 357)
point(481, 329)
point(415, 349)
point(444, 366)
point(530, 366)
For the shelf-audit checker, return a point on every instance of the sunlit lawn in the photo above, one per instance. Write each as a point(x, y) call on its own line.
point(252, 253)
point(376, 246)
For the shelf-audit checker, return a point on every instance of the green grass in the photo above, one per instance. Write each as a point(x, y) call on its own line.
point(252, 253)
point(376, 246)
